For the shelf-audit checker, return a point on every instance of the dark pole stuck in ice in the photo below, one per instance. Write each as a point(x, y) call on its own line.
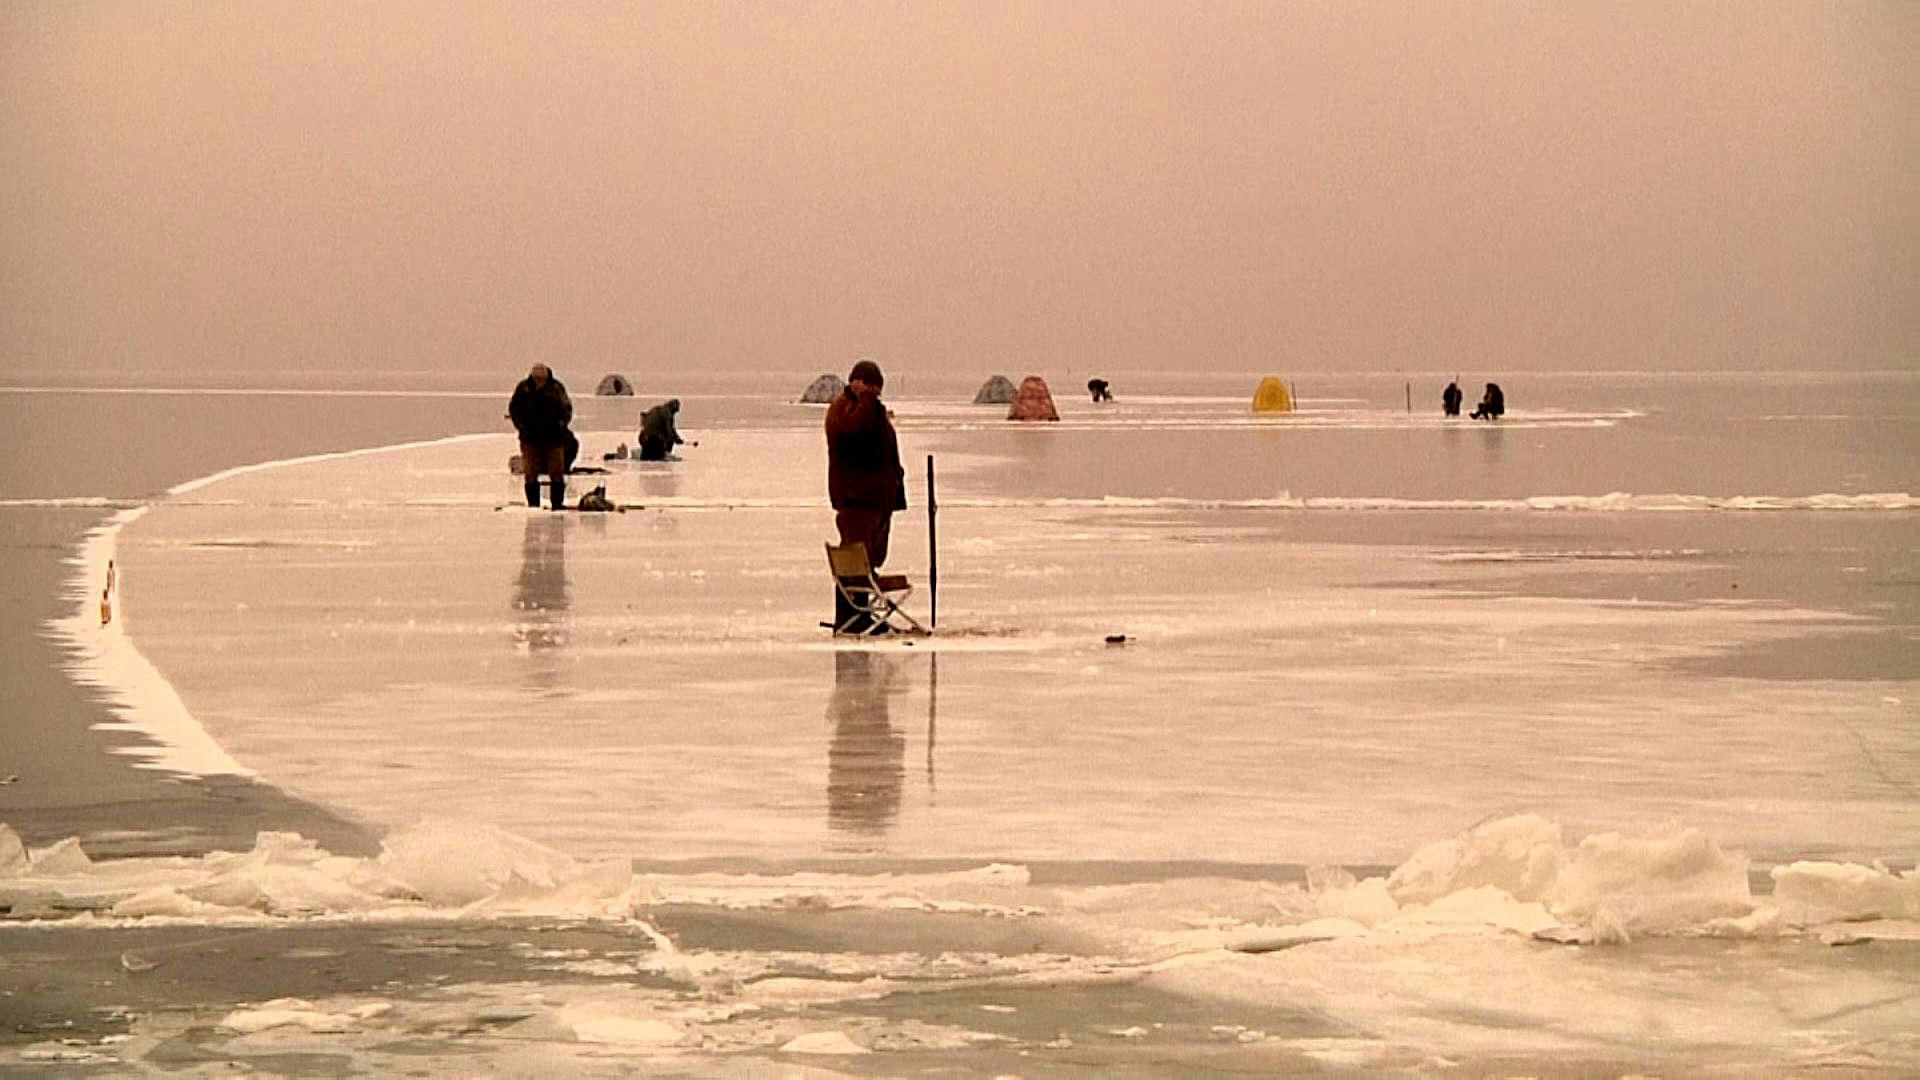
point(933, 556)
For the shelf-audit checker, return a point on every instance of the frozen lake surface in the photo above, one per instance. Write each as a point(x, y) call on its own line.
point(1327, 678)
point(1408, 714)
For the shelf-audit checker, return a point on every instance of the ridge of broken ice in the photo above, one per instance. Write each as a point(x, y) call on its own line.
point(1511, 875)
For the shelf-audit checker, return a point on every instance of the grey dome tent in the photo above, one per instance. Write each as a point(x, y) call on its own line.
point(615, 385)
point(823, 390)
point(998, 390)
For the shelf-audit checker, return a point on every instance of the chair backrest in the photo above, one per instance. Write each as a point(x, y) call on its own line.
point(849, 560)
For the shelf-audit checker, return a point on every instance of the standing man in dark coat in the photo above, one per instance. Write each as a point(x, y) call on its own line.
point(1450, 399)
point(865, 481)
point(658, 435)
point(541, 412)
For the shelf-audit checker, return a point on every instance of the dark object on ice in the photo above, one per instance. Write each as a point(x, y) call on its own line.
point(865, 480)
point(1035, 401)
point(657, 432)
point(998, 390)
point(1116, 639)
point(1493, 404)
point(1098, 388)
point(597, 500)
point(1450, 399)
point(541, 410)
point(614, 385)
point(823, 390)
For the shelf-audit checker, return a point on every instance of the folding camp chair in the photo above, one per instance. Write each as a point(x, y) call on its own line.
point(874, 597)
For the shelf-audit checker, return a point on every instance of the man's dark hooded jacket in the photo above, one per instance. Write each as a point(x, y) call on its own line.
point(657, 430)
point(541, 415)
point(863, 455)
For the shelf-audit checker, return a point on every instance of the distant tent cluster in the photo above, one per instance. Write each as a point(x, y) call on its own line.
point(1032, 400)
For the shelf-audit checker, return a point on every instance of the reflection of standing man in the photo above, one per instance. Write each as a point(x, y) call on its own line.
point(541, 411)
point(865, 481)
point(866, 759)
point(540, 594)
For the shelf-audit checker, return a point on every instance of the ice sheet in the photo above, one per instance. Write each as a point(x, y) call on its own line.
point(390, 632)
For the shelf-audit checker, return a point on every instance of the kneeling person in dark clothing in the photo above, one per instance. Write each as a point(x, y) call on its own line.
point(658, 435)
point(1493, 404)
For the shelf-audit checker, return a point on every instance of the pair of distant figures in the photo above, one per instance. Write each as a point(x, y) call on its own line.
point(542, 414)
point(1493, 404)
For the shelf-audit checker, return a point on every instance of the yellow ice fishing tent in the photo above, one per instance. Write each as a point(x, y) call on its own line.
point(1271, 396)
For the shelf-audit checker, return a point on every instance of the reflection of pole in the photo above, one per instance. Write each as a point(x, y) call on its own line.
point(933, 709)
point(933, 556)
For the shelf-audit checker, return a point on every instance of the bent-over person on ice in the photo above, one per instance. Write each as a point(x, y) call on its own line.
point(658, 435)
point(865, 481)
point(1493, 404)
point(541, 411)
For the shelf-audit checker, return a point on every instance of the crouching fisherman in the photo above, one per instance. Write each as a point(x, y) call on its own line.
point(541, 411)
point(658, 435)
point(1493, 404)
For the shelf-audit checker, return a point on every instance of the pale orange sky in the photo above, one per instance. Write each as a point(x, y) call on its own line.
point(969, 187)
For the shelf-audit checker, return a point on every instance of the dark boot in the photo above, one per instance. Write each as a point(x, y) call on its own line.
point(559, 492)
point(844, 611)
point(533, 490)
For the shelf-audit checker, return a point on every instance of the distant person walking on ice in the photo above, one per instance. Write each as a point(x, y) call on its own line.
point(1450, 399)
point(865, 481)
point(541, 412)
point(1492, 405)
point(658, 436)
point(1099, 389)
